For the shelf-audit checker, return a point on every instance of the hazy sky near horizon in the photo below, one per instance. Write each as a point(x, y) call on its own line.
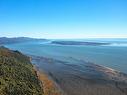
point(63, 18)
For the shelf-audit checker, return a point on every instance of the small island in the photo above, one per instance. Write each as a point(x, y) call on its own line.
point(79, 43)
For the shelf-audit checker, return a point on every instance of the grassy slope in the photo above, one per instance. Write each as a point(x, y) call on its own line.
point(17, 76)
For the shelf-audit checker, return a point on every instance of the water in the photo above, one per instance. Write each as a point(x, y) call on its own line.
point(113, 56)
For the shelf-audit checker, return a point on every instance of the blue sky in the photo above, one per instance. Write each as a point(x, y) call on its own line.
point(63, 18)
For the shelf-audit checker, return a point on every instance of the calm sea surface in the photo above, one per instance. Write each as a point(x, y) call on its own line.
point(113, 56)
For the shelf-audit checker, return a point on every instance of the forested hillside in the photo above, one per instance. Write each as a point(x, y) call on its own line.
point(17, 76)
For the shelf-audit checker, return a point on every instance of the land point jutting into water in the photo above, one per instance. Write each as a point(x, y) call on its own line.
point(19, 77)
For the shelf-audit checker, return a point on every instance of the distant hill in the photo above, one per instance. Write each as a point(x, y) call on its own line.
point(5, 40)
point(17, 76)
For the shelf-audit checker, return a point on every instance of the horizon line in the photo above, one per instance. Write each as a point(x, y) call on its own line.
point(64, 38)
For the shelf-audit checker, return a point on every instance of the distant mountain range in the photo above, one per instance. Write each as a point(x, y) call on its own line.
point(5, 40)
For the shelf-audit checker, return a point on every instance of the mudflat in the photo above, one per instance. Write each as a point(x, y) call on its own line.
point(83, 79)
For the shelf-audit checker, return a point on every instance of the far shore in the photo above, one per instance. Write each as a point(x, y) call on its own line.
point(80, 43)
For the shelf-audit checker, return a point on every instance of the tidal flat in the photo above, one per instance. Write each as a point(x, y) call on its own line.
point(83, 79)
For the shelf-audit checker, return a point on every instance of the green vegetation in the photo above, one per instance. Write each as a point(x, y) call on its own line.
point(17, 76)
